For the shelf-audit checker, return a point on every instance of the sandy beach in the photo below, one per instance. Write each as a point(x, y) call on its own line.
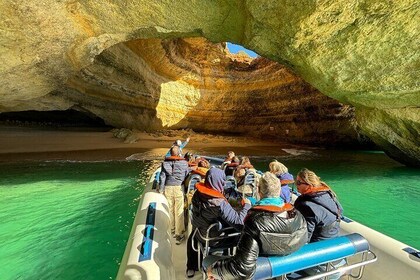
point(19, 143)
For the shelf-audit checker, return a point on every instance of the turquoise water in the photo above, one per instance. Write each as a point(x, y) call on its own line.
point(373, 189)
point(66, 220)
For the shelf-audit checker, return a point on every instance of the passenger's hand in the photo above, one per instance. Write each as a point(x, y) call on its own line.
point(246, 201)
point(209, 274)
point(188, 139)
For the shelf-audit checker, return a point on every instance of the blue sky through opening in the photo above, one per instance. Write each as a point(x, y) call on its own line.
point(236, 48)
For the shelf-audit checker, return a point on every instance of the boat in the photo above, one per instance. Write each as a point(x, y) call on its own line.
point(151, 253)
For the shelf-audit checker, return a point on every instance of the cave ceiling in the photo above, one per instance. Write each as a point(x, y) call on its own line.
point(353, 64)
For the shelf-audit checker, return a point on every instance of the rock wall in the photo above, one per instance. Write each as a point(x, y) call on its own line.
point(153, 84)
point(362, 53)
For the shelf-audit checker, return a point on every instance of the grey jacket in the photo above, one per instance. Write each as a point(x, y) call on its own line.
point(322, 212)
point(174, 170)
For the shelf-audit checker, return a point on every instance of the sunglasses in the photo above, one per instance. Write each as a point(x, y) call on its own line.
point(298, 182)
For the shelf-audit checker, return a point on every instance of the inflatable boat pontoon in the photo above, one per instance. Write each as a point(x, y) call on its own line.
point(152, 254)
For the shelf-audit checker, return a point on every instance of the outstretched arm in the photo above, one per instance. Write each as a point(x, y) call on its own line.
point(231, 216)
point(185, 143)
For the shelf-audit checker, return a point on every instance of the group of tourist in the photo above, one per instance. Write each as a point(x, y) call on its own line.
point(269, 226)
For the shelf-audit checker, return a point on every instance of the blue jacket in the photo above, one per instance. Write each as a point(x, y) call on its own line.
point(173, 172)
point(322, 213)
point(285, 180)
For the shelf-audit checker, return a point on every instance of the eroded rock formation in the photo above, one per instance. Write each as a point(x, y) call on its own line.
point(361, 53)
point(153, 83)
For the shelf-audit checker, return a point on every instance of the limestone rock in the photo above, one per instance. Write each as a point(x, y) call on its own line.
point(362, 53)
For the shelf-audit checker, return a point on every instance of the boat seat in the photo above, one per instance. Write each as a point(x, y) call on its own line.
point(225, 240)
point(325, 252)
point(230, 183)
point(191, 180)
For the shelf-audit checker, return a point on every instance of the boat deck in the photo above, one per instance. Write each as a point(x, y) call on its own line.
point(179, 259)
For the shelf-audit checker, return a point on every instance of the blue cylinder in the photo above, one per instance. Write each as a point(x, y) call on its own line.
point(311, 255)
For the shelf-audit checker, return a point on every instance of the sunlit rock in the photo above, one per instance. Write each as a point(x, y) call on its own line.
point(361, 53)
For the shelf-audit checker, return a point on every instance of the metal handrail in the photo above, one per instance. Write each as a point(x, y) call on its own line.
point(346, 268)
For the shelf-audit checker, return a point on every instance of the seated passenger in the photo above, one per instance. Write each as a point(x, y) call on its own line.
point(202, 168)
point(321, 209)
point(228, 159)
point(246, 163)
point(209, 206)
point(281, 171)
point(271, 228)
point(191, 159)
point(231, 167)
point(239, 175)
point(247, 192)
point(242, 169)
point(179, 144)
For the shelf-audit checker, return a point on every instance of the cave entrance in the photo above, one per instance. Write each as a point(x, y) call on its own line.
point(239, 50)
point(58, 119)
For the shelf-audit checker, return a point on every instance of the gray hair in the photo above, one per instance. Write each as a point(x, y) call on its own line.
point(269, 185)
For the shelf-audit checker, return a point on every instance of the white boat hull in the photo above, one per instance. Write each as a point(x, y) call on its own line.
point(167, 261)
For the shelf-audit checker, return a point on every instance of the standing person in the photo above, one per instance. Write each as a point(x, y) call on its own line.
point(174, 170)
point(322, 211)
point(209, 206)
point(271, 227)
point(281, 171)
point(179, 144)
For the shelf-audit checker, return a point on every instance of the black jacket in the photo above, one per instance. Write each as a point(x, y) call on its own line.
point(265, 233)
point(322, 212)
point(208, 209)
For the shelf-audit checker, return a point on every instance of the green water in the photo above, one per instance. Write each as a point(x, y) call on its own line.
point(66, 220)
point(373, 189)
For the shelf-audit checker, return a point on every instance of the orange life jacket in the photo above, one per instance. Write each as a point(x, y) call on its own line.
point(172, 158)
point(273, 208)
point(200, 171)
point(202, 188)
point(285, 182)
point(313, 189)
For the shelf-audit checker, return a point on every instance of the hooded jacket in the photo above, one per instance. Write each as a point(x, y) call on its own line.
point(322, 212)
point(268, 230)
point(209, 206)
point(174, 170)
point(285, 180)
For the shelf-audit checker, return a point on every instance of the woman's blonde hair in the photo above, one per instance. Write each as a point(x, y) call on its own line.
point(277, 167)
point(310, 178)
point(245, 161)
